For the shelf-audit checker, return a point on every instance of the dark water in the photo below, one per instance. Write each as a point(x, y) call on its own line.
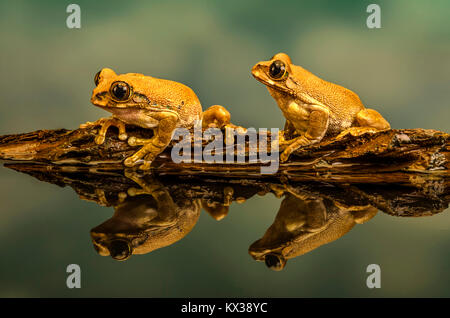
point(309, 239)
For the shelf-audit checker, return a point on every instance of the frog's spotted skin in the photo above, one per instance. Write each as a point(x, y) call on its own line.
point(313, 108)
point(147, 102)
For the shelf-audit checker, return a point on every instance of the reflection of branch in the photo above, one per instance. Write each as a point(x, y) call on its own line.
point(386, 156)
point(108, 188)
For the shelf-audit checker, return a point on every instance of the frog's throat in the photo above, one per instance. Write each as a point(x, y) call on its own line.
point(271, 85)
point(287, 247)
point(303, 97)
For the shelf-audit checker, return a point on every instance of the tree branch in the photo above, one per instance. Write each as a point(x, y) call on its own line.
point(386, 156)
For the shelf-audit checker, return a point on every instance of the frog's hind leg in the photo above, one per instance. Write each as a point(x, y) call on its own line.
point(217, 116)
point(371, 118)
point(369, 121)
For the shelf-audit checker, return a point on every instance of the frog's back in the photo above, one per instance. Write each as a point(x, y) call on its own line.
point(342, 102)
point(177, 97)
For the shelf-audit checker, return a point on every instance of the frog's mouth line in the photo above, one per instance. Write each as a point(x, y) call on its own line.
point(271, 84)
point(136, 107)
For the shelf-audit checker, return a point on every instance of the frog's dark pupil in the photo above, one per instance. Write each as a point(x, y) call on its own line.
point(97, 78)
point(120, 90)
point(119, 250)
point(277, 69)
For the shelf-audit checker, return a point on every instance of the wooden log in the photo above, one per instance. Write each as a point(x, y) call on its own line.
point(392, 156)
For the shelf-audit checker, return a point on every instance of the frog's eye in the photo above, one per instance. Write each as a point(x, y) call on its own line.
point(277, 69)
point(120, 250)
point(274, 261)
point(97, 78)
point(120, 91)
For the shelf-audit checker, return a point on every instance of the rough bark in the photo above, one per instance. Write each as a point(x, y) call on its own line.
point(393, 156)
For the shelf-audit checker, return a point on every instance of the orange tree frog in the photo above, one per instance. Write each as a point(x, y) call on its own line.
point(313, 108)
point(148, 102)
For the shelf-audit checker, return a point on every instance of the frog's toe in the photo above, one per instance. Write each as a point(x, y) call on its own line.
point(99, 139)
point(85, 125)
point(130, 174)
point(145, 166)
point(132, 141)
point(132, 192)
point(129, 162)
point(285, 156)
point(123, 136)
point(122, 196)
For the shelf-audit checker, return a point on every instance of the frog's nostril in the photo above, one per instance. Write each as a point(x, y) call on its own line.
point(99, 99)
point(255, 70)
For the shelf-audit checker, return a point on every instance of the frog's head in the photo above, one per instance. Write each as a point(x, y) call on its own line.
point(119, 91)
point(275, 74)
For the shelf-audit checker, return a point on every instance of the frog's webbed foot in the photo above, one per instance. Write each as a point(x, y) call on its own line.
point(284, 140)
point(105, 123)
point(103, 201)
point(278, 189)
point(147, 153)
point(101, 197)
point(295, 144)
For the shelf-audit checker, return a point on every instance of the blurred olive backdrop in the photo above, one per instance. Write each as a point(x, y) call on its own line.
point(47, 72)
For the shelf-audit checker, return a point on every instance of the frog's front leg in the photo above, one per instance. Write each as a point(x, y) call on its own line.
point(167, 122)
point(105, 123)
point(150, 186)
point(286, 135)
point(317, 127)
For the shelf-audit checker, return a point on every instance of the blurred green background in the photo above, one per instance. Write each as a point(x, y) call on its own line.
point(47, 70)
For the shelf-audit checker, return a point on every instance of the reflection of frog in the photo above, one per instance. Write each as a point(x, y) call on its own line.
point(304, 223)
point(147, 220)
point(148, 102)
point(153, 216)
point(313, 108)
